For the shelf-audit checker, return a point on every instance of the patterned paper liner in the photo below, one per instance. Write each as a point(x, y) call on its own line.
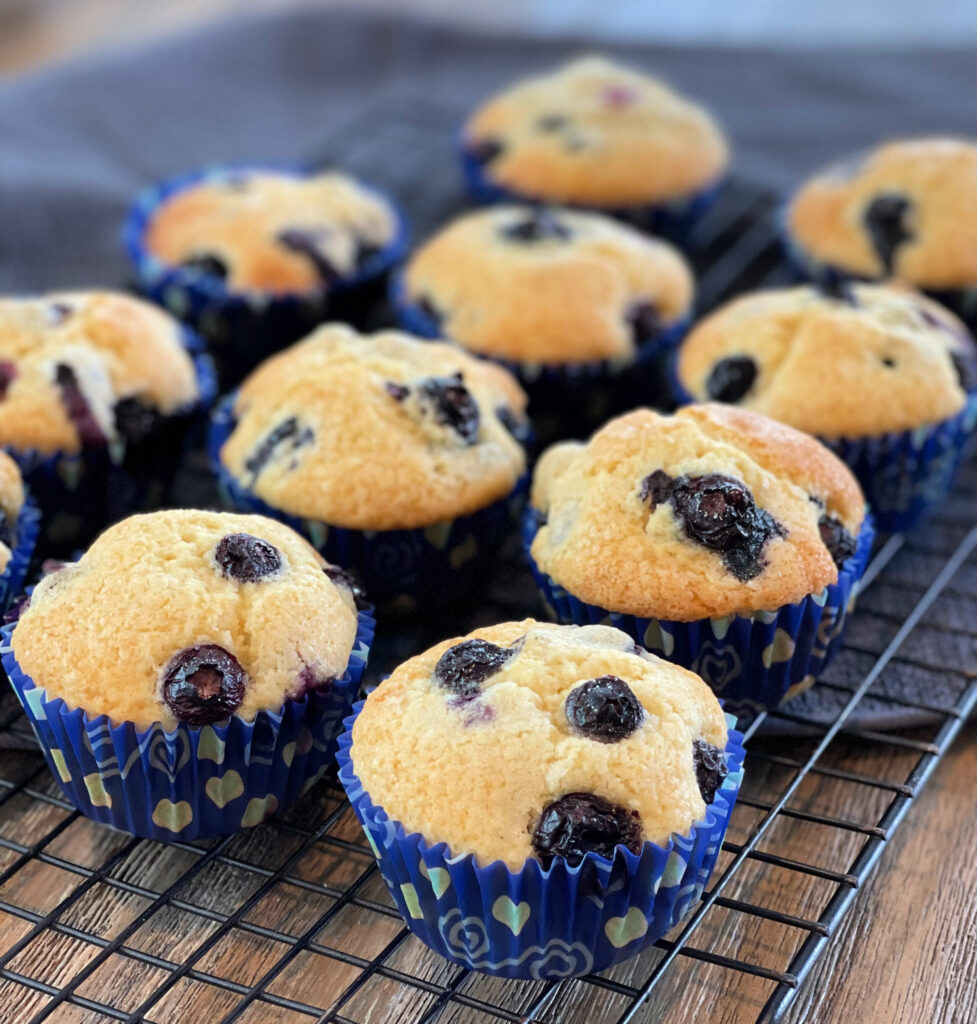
point(191, 782)
point(756, 659)
point(555, 923)
point(21, 551)
point(244, 328)
point(572, 399)
point(905, 474)
point(80, 493)
point(398, 568)
point(673, 220)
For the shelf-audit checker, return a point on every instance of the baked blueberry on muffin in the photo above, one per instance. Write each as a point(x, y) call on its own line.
point(568, 300)
point(597, 134)
point(398, 453)
point(881, 373)
point(257, 257)
point(708, 535)
point(96, 389)
point(904, 210)
point(238, 641)
point(529, 754)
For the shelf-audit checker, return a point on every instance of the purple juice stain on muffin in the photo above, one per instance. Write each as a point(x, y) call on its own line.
point(308, 242)
point(312, 679)
point(135, 420)
point(886, 221)
point(76, 406)
point(645, 322)
point(463, 668)
point(286, 438)
point(582, 823)
point(398, 392)
point(604, 709)
point(537, 225)
point(731, 379)
point(710, 768)
point(341, 578)
point(619, 95)
point(452, 405)
point(207, 264)
point(8, 374)
point(484, 151)
point(718, 512)
point(246, 558)
point(203, 684)
point(840, 543)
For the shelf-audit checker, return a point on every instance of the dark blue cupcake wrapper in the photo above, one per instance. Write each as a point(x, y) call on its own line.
point(906, 474)
point(397, 568)
point(755, 660)
point(673, 219)
point(21, 551)
point(246, 327)
point(80, 493)
point(534, 923)
point(191, 782)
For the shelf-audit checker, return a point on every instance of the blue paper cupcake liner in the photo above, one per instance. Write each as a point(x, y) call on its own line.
point(573, 399)
point(557, 922)
point(80, 493)
point(673, 220)
point(21, 551)
point(904, 475)
point(244, 328)
point(191, 782)
point(753, 659)
point(399, 569)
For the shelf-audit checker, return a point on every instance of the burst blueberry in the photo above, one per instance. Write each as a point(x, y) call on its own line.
point(582, 823)
point(76, 406)
point(453, 405)
point(463, 668)
point(341, 578)
point(203, 684)
point(289, 435)
point(246, 558)
point(710, 768)
point(840, 543)
point(886, 220)
point(731, 378)
point(538, 225)
point(307, 242)
point(604, 709)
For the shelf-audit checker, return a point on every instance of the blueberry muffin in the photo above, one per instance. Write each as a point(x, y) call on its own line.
point(89, 369)
point(856, 364)
point(11, 502)
point(595, 133)
point(256, 258)
point(904, 210)
point(383, 435)
point(528, 755)
point(190, 673)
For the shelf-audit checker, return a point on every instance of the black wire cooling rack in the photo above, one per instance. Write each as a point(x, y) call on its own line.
point(290, 921)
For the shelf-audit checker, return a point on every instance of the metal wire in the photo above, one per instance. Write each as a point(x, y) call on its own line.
point(734, 247)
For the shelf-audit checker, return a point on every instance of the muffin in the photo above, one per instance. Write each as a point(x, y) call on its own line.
point(724, 541)
point(243, 651)
point(906, 210)
point(98, 391)
point(255, 258)
point(600, 135)
point(575, 304)
point(396, 457)
point(19, 527)
point(529, 765)
point(882, 375)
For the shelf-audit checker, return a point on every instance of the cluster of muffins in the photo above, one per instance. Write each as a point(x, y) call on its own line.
point(711, 552)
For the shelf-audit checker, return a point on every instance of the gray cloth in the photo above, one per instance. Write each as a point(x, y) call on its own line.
point(78, 142)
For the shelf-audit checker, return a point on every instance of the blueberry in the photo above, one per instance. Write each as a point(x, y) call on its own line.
point(57, 313)
point(398, 392)
point(463, 668)
point(731, 378)
point(8, 374)
point(452, 404)
point(206, 263)
point(135, 420)
point(518, 426)
point(646, 322)
point(287, 436)
point(839, 542)
point(247, 559)
point(885, 219)
point(710, 768)
point(312, 679)
point(604, 709)
point(76, 406)
point(582, 823)
point(888, 362)
point(307, 242)
point(718, 512)
point(833, 285)
point(426, 307)
point(341, 578)
point(203, 684)
point(538, 225)
point(484, 151)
